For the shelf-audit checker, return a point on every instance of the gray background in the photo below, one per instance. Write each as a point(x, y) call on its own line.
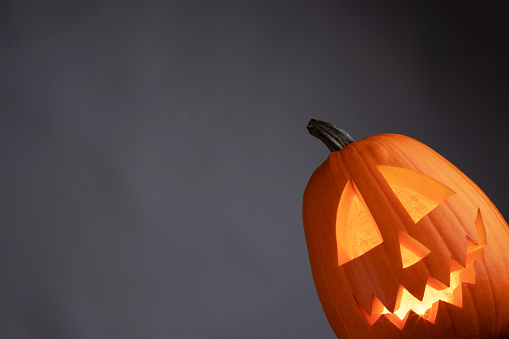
point(154, 154)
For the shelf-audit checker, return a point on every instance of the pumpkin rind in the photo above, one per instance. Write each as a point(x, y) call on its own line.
point(379, 272)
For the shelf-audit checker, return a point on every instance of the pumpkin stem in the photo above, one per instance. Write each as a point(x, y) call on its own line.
point(332, 136)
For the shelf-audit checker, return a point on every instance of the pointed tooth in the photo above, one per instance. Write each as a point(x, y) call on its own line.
point(376, 310)
point(467, 275)
point(431, 314)
point(475, 254)
point(458, 296)
point(397, 321)
point(436, 284)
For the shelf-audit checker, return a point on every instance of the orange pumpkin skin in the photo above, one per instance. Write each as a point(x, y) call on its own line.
point(378, 275)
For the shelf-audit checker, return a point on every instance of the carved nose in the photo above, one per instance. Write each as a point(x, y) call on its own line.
point(412, 251)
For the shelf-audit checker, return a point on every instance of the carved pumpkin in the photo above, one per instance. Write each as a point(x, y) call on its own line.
point(402, 244)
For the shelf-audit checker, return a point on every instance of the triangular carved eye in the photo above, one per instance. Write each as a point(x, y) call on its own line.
point(356, 230)
point(418, 193)
point(411, 250)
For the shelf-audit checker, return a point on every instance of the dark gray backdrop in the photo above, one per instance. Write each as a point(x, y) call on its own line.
point(154, 154)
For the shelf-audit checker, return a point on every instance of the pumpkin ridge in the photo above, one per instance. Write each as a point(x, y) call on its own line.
point(447, 280)
point(361, 158)
point(333, 158)
point(493, 297)
point(320, 276)
point(445, 162)
point(460, 226)
point(495, 242)
point(464, 228)
point(472, 300)
point(392, 147)
point(384, 141)
point(412, 143)
point(376, 290)
point(445, 312)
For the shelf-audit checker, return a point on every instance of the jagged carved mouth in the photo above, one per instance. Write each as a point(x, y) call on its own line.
point(435, 290)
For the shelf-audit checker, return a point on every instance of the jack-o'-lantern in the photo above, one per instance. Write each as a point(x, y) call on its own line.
point(402, 244)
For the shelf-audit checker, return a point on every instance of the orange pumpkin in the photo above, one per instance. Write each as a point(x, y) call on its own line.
point(402, 244)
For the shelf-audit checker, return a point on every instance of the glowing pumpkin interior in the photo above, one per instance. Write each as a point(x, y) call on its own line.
point(357, 233)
